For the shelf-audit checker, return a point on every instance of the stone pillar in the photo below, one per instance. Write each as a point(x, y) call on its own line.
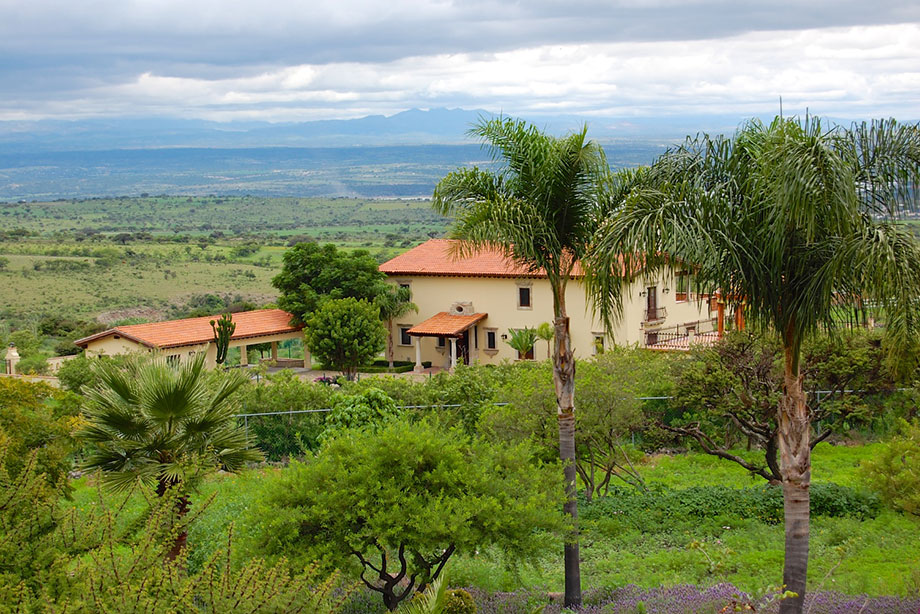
point(274, 351)
point(244, 355)
point(418, 355)
point(12, 358)
point(453, 353)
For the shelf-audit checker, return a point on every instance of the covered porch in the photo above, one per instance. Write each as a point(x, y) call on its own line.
point(447, 329)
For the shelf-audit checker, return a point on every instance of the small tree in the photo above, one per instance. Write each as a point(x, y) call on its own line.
point(345, 333)
point(393, 302)
point(522, 340)
point(403, 500)
point(223, 329)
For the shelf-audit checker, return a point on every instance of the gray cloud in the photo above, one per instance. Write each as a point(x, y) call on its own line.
point(275, 59)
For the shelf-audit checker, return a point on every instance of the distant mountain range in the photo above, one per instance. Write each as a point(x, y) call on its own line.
point(413, 127)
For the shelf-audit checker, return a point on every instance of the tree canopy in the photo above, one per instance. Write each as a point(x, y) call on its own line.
point(312, 272)
point(403, 499)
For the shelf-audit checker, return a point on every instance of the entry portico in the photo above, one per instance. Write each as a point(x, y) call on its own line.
point(453, 326)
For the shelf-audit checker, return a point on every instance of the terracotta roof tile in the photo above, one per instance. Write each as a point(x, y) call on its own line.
point(197, 331)
point(434, 258)
point(444, 324)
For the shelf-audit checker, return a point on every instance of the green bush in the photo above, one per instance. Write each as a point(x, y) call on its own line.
point(895, 471)
point(459, 601)
point(760, 503)
point(37, 417)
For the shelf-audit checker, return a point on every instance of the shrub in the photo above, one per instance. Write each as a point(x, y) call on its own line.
point(759, 503)
point(895, 470)
point(459, 601)
point(37, 417)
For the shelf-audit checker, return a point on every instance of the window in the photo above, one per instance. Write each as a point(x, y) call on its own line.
point(442, 342)
point(172, 360)
point(598, 344)
point(682, 291)
point(524, 297)
point(491, 343)
point(475, 337)
point(404, 285)
point(528, 355)
point(404, 337)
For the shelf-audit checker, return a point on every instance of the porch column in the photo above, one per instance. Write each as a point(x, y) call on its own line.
point(453, 353)
point(244, 355)
point(720, 306)
point(12, 357)
point(418, 355)
point(274, 351)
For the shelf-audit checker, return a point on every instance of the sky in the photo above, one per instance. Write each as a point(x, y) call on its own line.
point(280, 61)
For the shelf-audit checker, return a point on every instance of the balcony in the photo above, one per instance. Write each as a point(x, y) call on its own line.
point(654, 316)
point(683, 336)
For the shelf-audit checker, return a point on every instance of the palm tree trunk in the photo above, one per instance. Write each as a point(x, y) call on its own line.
point(564, 381)
point(182, 505)
point(390, 343)
point(795, 460)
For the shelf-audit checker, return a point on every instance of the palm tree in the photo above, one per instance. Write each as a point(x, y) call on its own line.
point(165, 427)
point(540, 208)
point(792, 222)
point(545, 333)
point(394, 302)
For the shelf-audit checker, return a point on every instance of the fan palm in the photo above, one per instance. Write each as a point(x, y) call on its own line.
point(163, 426)
point(792, 222)
point(393, 302)
point(540, 208)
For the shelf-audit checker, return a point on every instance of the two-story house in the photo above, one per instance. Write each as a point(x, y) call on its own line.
point(467, 306)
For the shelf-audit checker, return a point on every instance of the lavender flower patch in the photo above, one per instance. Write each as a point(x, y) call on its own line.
point(682, 599)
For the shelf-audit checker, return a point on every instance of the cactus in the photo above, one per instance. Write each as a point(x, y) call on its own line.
point(223, 329)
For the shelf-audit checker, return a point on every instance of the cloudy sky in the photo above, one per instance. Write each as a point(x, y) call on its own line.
point(281, 60)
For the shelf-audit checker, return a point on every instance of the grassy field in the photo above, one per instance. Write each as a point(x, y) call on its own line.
point(138, 256)
point(231, 215)
point(878, 556)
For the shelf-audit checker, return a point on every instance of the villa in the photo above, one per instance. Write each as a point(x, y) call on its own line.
point(467, 306)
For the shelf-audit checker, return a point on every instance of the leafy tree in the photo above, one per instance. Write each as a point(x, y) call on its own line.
point(312, 272)
point(728, 393)
point(402, 500)
point(522, 340)
point(610, 412)
point(344, 334)
point(165, 427)
point(26, 341)
point(790, 221)
point(541, 209)
point(895, 470)
point(393, 302)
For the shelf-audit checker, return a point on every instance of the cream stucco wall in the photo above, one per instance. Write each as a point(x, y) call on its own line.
point(498, 297)
point(112, 346)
